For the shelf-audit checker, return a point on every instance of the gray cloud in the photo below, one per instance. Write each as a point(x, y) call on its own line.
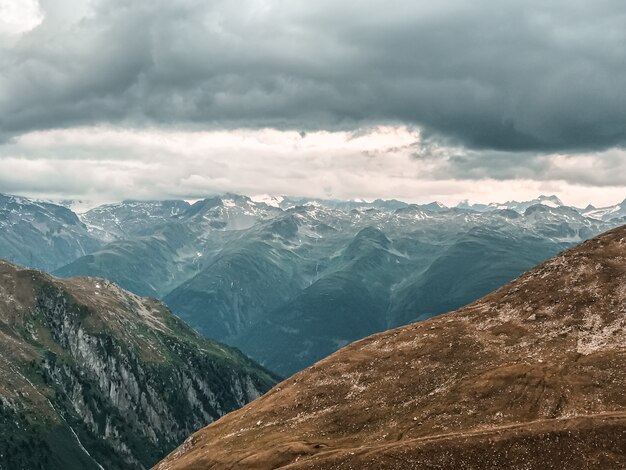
point(485, 74)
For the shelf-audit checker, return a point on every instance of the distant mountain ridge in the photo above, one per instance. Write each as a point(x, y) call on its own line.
point(129, 218)
point(606, 213)
point(301, 273)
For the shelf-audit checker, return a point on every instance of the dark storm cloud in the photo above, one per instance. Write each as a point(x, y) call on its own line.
point(514, 75)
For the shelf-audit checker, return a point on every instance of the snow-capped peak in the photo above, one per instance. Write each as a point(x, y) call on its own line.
point(272, 201)
point(550, 201)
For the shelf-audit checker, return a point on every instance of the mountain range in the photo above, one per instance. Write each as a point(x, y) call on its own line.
point(529, 377)
point(291, 280)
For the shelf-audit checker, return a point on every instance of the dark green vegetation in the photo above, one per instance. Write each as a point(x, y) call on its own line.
point(26, 443)
point(291, 284)
point(96, 377)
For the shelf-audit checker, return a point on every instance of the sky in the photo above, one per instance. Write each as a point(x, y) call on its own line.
point(416, 100)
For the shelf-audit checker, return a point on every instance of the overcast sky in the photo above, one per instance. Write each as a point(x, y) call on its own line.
point(418, 100)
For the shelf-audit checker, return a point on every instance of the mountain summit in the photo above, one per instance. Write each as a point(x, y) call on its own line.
point(531, 376)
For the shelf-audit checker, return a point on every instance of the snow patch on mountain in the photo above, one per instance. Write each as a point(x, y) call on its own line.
point(273, 201)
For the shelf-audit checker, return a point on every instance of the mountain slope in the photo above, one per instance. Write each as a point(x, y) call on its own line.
point(93, 376)
point(606, 213)
point(236, 289)
point(347, 303)
point(529, 377)
point(475, 264)
point(146, 265)
point(167, 249)
point(41, 235)
point(111, 222)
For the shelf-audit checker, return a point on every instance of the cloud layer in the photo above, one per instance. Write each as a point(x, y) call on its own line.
point(521, 76)
point(109, 164)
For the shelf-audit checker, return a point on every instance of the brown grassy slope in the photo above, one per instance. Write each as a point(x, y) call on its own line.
point(137, 321)
point(531, 376)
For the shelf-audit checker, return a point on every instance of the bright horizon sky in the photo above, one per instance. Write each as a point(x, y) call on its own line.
point(104, 100)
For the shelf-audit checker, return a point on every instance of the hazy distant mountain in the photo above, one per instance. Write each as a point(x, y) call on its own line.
point(313, 275)
point(382, 204)
point(518, 206)
point(40, 234)
point(529, 377)
point(126, 219)
point(434, 206)
point(169, 249)
point(93, 377)
point(606, 213)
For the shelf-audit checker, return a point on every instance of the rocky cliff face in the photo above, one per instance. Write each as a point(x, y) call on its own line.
point(531, 376)
point(96, 377)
